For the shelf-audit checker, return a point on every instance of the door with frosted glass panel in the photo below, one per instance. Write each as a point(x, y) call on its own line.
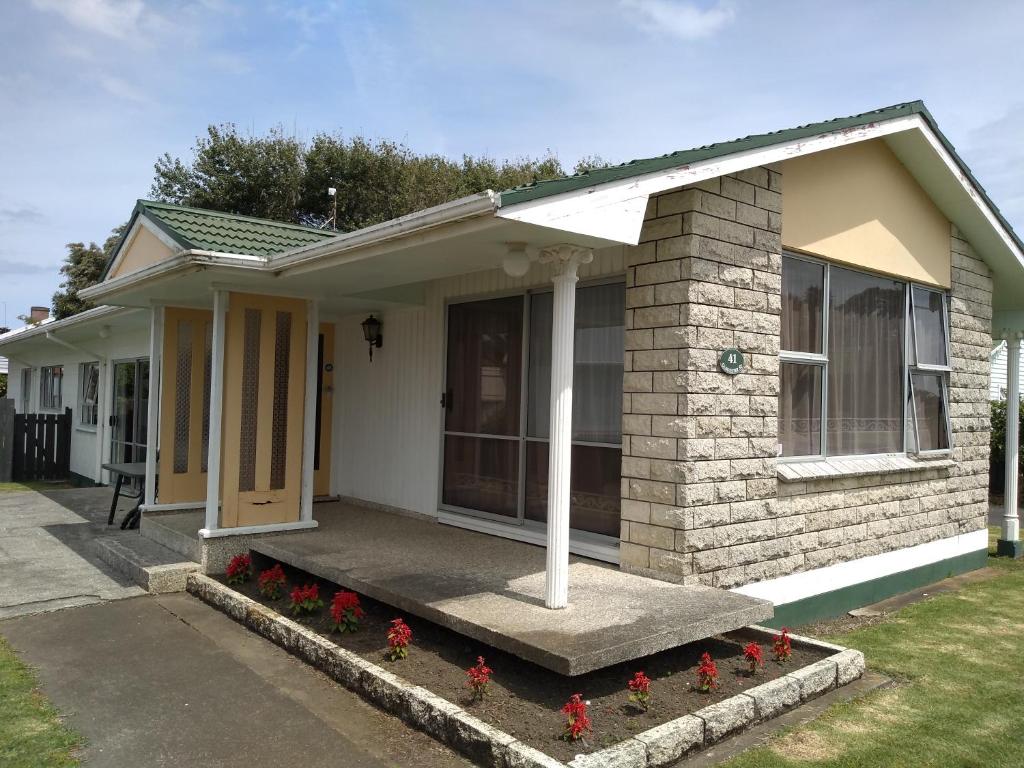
point(483, 388)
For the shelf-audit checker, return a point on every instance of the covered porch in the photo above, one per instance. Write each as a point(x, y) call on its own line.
point(494, 589)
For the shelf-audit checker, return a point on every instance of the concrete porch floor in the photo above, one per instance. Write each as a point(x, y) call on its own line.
point(491, 589)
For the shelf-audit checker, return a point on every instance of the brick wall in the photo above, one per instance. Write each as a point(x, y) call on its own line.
point(701, 500)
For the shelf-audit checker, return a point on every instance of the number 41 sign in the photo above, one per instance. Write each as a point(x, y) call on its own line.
point(731, 361)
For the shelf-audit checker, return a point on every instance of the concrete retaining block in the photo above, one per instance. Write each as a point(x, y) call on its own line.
point(668, 742)
point(727, 716)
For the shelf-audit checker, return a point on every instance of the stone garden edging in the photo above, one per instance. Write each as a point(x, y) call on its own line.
point(488, 746)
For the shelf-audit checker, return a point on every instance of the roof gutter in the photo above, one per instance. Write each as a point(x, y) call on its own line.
point(47, 329)
point(469, 207)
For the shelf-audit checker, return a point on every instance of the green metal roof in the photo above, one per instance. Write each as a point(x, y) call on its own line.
point(199, 229)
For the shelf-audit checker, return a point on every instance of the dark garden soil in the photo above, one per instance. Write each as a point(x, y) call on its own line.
point(525, 700)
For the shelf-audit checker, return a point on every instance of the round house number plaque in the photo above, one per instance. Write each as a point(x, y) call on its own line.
point(731, 361)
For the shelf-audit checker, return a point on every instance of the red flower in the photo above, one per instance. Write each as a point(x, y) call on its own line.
point(707, 674)
point(271, 582)
point(399, 636)
point(752, 653)
point(577, 720)
point(239, 569)
point(479, 676)
point(306, 599)
point(640, 690)
point(346, 611)
point(782, 647)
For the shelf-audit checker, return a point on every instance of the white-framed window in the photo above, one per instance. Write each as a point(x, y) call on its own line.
point(864, 363)
point(88, 393)
point(26, 390)
point(51, 387)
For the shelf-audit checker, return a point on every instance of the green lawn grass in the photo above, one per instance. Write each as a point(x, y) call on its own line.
point(31, 733)
point(959, 659)
point(35, 485)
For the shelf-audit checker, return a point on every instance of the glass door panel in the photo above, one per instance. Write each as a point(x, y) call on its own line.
point(594, 487)
point(482, 406)
point(129, 411)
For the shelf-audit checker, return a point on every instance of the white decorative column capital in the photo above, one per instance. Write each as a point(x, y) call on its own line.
point(565, 258)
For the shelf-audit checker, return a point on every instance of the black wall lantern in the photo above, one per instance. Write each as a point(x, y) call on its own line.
point(372, 334)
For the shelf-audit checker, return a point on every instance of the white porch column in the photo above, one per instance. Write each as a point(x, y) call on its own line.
point(1009, 541)
point(156, 348)
point(220, 309)
point(309, 414)
point(565, 259)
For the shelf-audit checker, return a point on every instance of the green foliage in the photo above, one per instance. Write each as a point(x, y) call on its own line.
point(280, 177)
point(83, 266)
point(31, 733)
point(997, 445)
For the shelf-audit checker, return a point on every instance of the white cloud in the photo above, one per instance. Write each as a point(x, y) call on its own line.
point(120, 19)
point(684, 20)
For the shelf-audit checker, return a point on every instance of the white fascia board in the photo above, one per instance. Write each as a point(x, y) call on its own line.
point(472, 206)
point(43, 329)
point(142, 221)
point(615, 210)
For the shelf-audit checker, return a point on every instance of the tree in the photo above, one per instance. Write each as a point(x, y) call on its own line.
point(83, 266)
point(279, 177)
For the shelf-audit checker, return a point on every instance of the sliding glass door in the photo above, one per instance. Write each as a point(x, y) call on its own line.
point(497, 408)
point(129, 411)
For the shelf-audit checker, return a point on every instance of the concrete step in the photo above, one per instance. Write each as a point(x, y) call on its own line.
point(153, 567)
point(177, 531)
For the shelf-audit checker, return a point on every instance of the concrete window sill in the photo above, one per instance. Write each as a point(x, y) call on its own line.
point(800, 471)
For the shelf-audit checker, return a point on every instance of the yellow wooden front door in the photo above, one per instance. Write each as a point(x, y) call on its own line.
point(264, 382)
point(325, 412)
point(185, 404)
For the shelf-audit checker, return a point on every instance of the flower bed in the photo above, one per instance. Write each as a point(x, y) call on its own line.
point(526, 701)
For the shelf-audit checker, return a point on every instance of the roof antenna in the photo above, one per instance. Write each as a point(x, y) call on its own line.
point(333, 221)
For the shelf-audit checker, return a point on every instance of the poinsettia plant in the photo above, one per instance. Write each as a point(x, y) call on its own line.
point(577, 721)
point(239, 569)
point(306, 599)
point(640, 690)
point(479, 678)
point(346, 611)
point(707, 674)
point(271, 582)
point(399, 636)
point(754, 656)
point(782, 648)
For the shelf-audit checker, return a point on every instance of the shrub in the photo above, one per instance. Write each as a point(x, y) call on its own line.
point(707, 674)
point(640, 690)
point(577, 721)
point(479, 677)
point(997, 445)
point(399, 636)
point(271, 582)
point(306, 599)
point(346, 611)
point(782, 647)
point(755, 658)
point(239, 569)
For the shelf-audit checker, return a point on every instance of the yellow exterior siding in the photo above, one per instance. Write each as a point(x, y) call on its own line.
point(144, 249)
point(859, 205)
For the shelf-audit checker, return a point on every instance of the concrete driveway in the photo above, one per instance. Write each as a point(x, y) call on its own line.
point(166, 680)
point(46, 554)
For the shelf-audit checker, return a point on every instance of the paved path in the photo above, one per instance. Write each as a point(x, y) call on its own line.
point(166, 680)
point(46, 560)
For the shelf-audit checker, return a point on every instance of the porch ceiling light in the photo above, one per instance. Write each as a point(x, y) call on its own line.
point(372, 334)
point(517, 261)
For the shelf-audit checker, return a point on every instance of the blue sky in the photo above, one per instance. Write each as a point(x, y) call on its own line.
point(93, 91)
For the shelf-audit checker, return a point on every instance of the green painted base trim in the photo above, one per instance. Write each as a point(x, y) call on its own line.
point(1014, 549)
point(839, 601)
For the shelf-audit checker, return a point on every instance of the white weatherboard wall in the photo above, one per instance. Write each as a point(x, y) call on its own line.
point(85, 441)
point(388, 412)
point(997, 381)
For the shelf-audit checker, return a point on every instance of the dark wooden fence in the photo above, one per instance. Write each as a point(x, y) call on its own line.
point(42, 446)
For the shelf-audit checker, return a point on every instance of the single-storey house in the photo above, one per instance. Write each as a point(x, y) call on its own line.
point(759, 365)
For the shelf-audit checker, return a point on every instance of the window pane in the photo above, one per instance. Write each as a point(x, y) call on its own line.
point(865, 350)
point(481, 473)
point(485, 352)
point(930, 411)
point(597, 373)
point(800, 410)
point(929, 328)
point(802, 294)
point(595, 492)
